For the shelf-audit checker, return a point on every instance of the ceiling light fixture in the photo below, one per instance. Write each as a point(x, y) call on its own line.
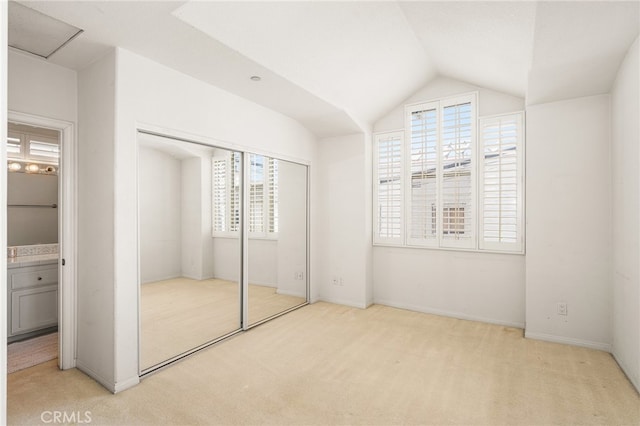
point(255, 78)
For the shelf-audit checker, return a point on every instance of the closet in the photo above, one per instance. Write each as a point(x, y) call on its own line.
point(223, 243)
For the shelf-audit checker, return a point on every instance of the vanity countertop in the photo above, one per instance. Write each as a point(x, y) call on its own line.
point(37, 259)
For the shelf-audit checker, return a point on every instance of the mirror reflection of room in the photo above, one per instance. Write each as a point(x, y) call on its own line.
point(191, 221)
point(184, 304)
point(277, 252)
point(32, 242)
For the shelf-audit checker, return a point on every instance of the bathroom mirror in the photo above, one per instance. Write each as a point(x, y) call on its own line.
point(277, 236)
point(189, 243)
point(32, 185)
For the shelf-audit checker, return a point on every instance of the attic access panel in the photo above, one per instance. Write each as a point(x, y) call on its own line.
point(36, 33)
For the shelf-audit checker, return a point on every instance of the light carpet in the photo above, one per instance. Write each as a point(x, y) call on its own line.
point(179, 314)
point(25, 354)
point(326, 364)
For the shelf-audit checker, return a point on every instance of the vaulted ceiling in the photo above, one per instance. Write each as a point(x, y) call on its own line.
point(335, 66)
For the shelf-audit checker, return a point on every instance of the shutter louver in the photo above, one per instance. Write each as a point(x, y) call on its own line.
point(272, 183)
point(256, 193)
point(457, 173)
point(49, 150)
point(501, 185)
point(14, 145)
point(424, 167)
point(225, 173)
point(389, 193)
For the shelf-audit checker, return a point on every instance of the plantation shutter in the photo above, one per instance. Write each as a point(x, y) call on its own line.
point(45, 148)
point(388, 192)
point(14, 145)
point(272, 202)
point(457, 168)
point(220, 202)
point(423, 174)
point(256, 194)
point(234, 193)
point(225, 174)
point(501, 174)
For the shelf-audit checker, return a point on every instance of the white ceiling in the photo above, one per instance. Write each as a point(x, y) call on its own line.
point(334, 66)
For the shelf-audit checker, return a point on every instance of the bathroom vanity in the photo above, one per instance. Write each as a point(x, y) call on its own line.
point(32, 286)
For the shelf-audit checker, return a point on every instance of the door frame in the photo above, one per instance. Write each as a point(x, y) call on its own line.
point(67, 226)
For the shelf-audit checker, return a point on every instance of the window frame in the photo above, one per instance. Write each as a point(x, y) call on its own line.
point(476, 211)
point(396, 134)
point(268, 195)
point(439, 105)
point(517, 247)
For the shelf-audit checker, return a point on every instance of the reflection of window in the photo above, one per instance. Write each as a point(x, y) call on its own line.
point(262, 195)
point(441, 184)
point(226, 193)
point(32, 147)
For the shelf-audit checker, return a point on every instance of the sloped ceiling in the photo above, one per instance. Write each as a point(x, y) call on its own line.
point(338, 66)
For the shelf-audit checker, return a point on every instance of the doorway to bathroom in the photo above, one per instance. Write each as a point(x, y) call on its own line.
point(40, 239)
point(32, 242)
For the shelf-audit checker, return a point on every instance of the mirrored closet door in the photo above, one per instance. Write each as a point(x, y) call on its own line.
point(277, 236)
point(189, 244)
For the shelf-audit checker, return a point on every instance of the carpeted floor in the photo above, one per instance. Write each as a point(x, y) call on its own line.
point(180, 314)
point(25, 354)
point(326, 364)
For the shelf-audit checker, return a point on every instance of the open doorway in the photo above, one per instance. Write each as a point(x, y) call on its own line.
point(32, 240)
point(50, 303)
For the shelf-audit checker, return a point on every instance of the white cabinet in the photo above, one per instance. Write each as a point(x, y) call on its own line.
point(33, 298)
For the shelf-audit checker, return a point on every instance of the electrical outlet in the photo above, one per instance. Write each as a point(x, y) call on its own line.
point(335, 280)
point(562, 308)
point(299, 275)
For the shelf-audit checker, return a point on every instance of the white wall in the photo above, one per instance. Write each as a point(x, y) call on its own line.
point(263, 262)
point(340, 213)
point(625, 153)
point(160, 193)
point(197, 244)
point(292, 233)
point(41, 88)
point(490, 101)
point(152, 95)
point(568, 213)
point(226, 258)
point(479, 286)
point(96, 310)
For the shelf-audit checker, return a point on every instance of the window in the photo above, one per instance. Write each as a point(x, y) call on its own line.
point(14, 145)
point(389, 187)
point(226, 194)
point(44, 148)
point(262, 191)
point(437, 186)
point(501, 171)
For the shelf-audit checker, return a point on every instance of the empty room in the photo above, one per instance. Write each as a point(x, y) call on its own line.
point(320, 212)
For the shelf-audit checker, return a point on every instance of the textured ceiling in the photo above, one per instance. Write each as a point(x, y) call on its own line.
point(335, 66)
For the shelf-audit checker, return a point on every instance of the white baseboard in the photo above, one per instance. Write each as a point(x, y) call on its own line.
point(342, 302)
point(635, 381)
point(109, 384)
point(290, 293)
point(451, 314)
point(126, 384)
point(568, 341)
